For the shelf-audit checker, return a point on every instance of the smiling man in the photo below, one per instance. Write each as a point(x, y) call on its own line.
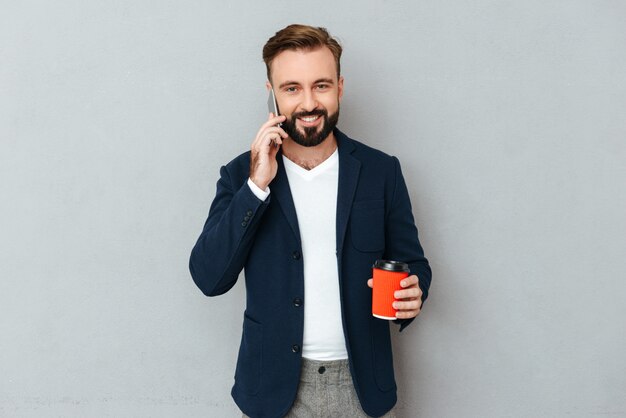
point(305, 213)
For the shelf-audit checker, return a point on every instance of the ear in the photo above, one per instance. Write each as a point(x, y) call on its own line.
point(268, 86)
point(340, 88)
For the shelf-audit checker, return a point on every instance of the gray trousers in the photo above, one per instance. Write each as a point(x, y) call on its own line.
point(326, 391)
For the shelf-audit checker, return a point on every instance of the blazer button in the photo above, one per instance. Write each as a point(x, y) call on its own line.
point(244, 223)
point(296, 255)
point(297, 302)
point(249, 213)
point(295, 348)
point(246, 218)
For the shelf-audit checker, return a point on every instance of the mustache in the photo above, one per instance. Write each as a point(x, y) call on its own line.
point(314, 112)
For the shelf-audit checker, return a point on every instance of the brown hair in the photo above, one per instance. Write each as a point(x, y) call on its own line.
point(295, 37)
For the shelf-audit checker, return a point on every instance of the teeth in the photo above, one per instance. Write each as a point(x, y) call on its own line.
point(310, 118)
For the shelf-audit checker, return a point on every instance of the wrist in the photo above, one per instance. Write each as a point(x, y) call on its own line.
point(261, 194)
point(260, 184)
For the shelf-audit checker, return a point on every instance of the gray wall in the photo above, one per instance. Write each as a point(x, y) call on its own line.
point(508, 117)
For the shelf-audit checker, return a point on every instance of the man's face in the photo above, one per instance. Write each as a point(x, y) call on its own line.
point(308, 93)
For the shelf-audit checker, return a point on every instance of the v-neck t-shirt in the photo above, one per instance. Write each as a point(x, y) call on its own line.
point(314, 194)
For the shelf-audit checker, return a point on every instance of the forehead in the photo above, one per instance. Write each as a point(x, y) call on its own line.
point(303, 65)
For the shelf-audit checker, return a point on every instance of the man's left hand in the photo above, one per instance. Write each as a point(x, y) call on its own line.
point(409, 299)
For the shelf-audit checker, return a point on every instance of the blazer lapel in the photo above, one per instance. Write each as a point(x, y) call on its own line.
point(349, 168)
point(282, 193)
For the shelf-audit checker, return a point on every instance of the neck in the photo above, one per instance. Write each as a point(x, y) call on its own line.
point(309, 157)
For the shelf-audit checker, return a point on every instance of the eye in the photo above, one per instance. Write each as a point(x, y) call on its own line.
point(291, 89)
point(322, 86)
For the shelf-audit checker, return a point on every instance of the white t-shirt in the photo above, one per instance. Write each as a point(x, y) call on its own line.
point(314, 194)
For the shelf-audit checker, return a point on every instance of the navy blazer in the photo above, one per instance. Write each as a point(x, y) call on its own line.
point(374, 220)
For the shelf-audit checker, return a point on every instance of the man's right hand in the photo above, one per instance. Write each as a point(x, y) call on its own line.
point(263, 164)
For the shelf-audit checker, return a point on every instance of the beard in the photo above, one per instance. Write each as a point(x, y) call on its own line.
point(311, 136)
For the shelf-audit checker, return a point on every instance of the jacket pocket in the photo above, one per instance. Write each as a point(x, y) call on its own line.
point(248, 371)
point(367, 225)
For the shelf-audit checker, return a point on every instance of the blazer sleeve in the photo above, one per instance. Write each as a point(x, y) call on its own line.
point(401, 236)
point(220, 253)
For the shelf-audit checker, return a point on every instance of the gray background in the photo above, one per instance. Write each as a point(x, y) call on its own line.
point(508, 118)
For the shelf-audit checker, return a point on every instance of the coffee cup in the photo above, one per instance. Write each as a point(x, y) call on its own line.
point(387, 275)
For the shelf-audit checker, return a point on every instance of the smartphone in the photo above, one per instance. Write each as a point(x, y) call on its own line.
point(271, 104)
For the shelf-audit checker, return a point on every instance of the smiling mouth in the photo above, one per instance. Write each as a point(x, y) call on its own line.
point(310, 122)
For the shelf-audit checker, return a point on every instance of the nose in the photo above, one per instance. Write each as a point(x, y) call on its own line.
point(309, 102)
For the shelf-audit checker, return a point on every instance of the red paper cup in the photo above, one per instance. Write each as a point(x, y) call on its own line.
point(387, 275)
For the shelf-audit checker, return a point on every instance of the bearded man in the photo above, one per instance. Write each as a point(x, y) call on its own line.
point(306, 213)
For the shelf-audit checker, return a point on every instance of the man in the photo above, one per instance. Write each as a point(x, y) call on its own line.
point(306, 213)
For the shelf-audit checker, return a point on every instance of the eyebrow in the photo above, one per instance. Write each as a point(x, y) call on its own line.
point(319, 80)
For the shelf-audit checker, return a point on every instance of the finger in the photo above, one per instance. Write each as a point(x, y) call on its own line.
point(370, 283)
point(262, 144)
point(274, 147)
point(270, 140)
point(407, 314)
point(272, 131)
point(272, 121)
point(413, 292)
point(409, 281)
point(276, 128)
point(408, 306)
point(261, 134)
